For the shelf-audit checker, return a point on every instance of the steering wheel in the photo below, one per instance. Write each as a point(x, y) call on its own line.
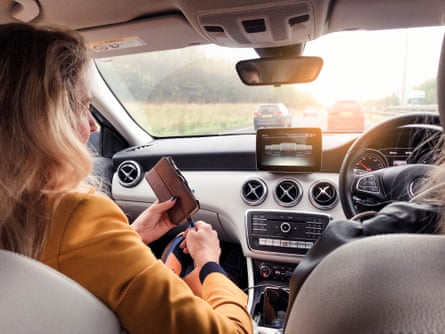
point(182, 264)
point(372, 190)
point(173, 256)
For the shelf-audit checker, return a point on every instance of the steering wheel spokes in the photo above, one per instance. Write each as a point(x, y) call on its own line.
point(372, 190)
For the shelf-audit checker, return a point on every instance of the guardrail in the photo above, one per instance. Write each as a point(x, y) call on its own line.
point(378, 115)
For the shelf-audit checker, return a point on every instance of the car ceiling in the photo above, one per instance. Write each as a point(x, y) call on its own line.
point(234, 23)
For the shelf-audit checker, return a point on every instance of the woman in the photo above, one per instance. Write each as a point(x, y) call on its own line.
point(48, 212)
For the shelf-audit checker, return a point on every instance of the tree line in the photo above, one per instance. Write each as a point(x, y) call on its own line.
point(167, 77)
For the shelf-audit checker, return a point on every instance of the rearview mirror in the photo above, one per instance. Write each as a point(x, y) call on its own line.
point(279, 70)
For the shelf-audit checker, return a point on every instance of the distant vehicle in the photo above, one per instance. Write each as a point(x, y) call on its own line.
point(346, 116)
point(310, 111)
point(416, 97)
point(272, 115)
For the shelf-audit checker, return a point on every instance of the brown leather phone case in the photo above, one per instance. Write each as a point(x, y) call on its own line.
point(166, 180)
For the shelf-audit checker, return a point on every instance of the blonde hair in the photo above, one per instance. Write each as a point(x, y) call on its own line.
point(42, 92)
point(431, 188)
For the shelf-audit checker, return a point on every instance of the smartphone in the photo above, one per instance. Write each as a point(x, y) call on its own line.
point(166, 180)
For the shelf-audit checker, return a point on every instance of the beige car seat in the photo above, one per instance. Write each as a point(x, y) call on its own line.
point(35, 298)
point(387, 284)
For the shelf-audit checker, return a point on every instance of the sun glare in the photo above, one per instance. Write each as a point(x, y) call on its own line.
point(391, 63)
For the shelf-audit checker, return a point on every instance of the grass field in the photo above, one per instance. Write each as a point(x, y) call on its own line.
point(191, 119)
point(188, 119)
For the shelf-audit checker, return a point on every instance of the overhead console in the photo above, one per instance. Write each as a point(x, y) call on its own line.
point(289, 23)
point(241, 24)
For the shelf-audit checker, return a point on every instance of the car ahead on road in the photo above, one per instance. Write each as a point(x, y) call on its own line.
point(346, 116)
point(311, 111)
point(272, 115)
point(164, 83)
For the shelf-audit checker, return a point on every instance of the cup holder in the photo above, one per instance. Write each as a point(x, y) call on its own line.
point(270, 310)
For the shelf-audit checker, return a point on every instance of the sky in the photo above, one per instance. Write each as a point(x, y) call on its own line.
point(363, 65)
point(376, 66)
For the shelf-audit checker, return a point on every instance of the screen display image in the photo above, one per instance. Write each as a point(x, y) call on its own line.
point(289, 149)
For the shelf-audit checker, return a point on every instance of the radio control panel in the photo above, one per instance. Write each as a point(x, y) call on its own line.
point(284, 231)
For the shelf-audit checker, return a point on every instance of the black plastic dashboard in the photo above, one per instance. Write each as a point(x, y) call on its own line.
point(409, 144)
point(234, 152)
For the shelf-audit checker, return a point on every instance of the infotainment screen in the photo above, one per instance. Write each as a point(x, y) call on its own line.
point(288, 149)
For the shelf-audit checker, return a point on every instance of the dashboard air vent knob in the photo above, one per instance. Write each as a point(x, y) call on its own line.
point(129, 173)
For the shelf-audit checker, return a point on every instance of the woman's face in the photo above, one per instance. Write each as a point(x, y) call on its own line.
point(86, 122)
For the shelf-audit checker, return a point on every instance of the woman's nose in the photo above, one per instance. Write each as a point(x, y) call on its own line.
point(92, 123)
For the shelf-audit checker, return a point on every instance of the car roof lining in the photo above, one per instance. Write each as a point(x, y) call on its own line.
point(100, 20)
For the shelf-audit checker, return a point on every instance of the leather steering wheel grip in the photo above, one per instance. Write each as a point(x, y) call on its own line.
point(182, 264)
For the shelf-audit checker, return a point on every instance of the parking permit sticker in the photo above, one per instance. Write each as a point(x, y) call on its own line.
point(116, 44)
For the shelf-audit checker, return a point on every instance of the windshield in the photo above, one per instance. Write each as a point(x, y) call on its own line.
point(366, 76)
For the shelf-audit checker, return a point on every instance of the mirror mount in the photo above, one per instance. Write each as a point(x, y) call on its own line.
point(281, 51)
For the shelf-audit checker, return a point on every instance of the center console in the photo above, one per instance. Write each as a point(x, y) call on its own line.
point(287, 232)
point(277, 232)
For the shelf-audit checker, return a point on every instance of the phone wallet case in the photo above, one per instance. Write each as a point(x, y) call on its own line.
point(166, 180)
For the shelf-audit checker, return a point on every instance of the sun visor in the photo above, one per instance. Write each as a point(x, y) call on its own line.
point(141, 36)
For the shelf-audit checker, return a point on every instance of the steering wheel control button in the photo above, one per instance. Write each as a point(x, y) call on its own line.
point(368, 184)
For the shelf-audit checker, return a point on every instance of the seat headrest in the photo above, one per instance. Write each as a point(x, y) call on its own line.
point(37, 299)
point(380, 284)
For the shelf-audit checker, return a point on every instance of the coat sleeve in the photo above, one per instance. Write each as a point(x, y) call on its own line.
point(93, 244)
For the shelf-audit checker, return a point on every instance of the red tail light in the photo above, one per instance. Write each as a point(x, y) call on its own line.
point(278, 112)
point(256, 113)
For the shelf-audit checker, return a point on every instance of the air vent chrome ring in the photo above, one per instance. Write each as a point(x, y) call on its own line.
point(129, 173)
point(323, 194)
point(288, 192)
point(254, 191)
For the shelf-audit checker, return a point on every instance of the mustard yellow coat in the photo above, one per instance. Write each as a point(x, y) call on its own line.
point(91, 241)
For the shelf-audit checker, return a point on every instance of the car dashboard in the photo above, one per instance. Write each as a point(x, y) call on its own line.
point(266, 220)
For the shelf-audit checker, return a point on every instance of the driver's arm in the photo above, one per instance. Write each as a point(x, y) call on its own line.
point(91, 242)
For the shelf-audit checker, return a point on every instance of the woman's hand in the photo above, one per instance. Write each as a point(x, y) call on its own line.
point(154, 222)
point(202, 243)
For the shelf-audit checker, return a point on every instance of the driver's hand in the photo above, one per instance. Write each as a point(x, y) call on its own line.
point(202, 243)
point(154, 222)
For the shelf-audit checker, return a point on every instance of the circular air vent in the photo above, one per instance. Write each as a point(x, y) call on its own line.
point(254, 191)
point(323, 195)
point(129, 173)
point(288, 192)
